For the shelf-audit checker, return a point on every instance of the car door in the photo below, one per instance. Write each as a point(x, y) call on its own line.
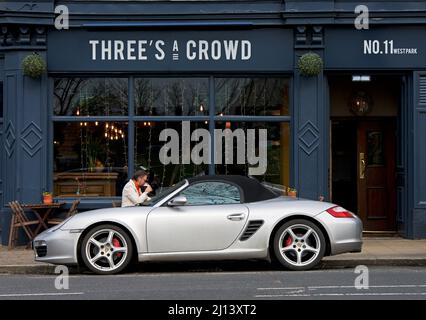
point(212, 219)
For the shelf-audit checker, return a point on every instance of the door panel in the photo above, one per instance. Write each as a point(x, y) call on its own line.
point(195, 228)
point(376, 174)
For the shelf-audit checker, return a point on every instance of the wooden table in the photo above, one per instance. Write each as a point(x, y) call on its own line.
point(43, 212)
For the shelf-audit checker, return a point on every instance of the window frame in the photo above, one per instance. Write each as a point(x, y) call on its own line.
point(132, 119)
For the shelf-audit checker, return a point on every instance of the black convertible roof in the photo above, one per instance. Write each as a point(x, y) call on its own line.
point(252, 189)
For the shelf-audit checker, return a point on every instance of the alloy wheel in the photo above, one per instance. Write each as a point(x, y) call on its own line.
point(299, 245)
point(106, 250)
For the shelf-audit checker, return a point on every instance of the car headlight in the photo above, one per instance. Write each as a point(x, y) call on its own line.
point(59, 226)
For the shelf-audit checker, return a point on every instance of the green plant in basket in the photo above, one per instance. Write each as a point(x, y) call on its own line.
point(33, 66)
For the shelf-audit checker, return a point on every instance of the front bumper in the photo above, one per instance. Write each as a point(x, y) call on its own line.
point(345, 233)
point(57, 247)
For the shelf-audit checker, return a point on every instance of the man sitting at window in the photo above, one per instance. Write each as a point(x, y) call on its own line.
point(132, 193)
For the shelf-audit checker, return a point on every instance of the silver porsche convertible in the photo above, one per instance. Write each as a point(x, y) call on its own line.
point(204, 218)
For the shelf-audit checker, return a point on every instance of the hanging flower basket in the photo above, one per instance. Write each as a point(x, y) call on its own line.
point(310, 64)
point(33, 66)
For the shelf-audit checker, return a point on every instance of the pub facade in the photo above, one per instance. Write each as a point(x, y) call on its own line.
point(124, 71)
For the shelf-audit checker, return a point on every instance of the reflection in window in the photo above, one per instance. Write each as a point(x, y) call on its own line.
point(277, 151)
point(147, 151)
point(171, 96)
point(252, 96)
point(207, 193)
point(90, 97)
point(90, 158)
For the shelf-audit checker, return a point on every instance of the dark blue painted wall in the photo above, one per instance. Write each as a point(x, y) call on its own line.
point(25, 133)
point(418, 156)
point(25, 153)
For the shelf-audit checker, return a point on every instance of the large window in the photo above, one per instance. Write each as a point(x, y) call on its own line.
point(171, 96)
point(252, 96)
point(91, 97)
point(148, 153)
point(90, 158)
point(270, 158)
point(106, 128)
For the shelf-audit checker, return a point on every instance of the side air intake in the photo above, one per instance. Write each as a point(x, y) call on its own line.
point(251, 229)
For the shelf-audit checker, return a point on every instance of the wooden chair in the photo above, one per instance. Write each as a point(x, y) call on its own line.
point(72, 211)
point(19, 220)
point(116, 204)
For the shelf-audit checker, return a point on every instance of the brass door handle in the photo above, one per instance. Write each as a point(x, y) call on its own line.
point(361, 166)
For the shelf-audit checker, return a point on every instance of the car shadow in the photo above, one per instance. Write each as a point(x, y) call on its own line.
point(203, 267)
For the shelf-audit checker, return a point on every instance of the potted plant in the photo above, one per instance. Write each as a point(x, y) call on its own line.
point(291, 192)
point(33, 65)
point(310, 64)
point(47, 198)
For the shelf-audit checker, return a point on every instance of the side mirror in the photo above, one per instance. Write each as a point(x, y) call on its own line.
point(177, 201)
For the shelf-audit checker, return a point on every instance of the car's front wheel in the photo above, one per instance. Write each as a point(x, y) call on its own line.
point(299, 245)
point(106, 249)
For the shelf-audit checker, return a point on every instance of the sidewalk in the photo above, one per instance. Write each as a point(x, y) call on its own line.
point(376, 251)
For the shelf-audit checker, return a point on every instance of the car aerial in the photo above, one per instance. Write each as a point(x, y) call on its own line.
point(204, 218)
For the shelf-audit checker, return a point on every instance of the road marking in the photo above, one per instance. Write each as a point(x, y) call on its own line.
point(282, 288)
point(40, 294)
point(281, 295)
point(346, 287)
point(378, 286)
point(342, 294)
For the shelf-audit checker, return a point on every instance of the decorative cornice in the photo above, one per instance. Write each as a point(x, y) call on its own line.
point(311, 37)
point(22, 37)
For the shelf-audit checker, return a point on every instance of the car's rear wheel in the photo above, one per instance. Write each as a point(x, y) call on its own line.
point(299, 244)
point(106, 249)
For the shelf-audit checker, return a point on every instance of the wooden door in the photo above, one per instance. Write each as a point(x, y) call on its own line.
point(376, 174)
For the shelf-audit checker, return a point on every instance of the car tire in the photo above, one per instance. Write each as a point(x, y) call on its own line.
point(299, 245)
point(106, 249)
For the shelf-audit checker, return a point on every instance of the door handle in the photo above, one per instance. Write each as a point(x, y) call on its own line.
point(361, 166)
point(236, 216)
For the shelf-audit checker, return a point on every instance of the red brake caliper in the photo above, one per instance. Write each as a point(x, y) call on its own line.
point(288, 241)
point(116, 243)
